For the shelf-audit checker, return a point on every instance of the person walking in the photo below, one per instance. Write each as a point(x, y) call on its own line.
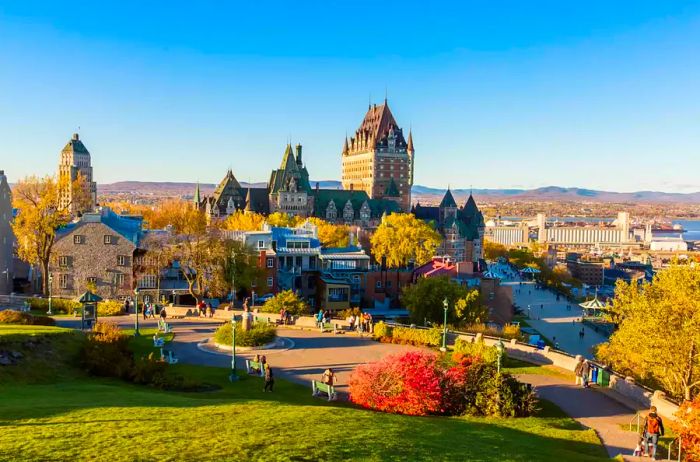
point(653, 430)
point(145, 311)
point(269, 379)
point(585, 370)
point(577, 371)
point(163, 314)
point(328, 377)
point(319, 318)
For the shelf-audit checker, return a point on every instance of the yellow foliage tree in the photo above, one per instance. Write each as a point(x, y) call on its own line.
point(402, 238)
point(283, 220)
point(40, 213)
point(244, 221)
point(658, 335)
point(331, 235)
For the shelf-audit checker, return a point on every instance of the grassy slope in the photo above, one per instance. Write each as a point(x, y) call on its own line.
point(81, 418)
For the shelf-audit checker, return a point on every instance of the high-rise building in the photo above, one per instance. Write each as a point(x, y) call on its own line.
point(378, 159)
point(6, 236)
point(75, 160)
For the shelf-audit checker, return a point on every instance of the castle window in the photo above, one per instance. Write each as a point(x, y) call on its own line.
point(108, 239)
point(122, 260)
point(64, 261)
point(63, 281)
point(78, 239)
point(118, 280)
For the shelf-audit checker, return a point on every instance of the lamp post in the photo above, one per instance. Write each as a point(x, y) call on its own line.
point(233, 377)
point(136, 310)
point(50, 284)
point(233, 278)
point(500, 347)
point(445, 305)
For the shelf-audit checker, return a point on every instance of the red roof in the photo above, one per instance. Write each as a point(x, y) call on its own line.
point(438, 266)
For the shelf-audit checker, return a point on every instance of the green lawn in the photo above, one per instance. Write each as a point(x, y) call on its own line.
point(81, 418)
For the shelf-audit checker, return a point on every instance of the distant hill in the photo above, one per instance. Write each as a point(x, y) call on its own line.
point(551, 193)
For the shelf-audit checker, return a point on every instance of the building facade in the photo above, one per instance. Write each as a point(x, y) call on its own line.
point(98, 249)
point(74, 162)
point(378, 159)
point(7, 237)
point(461, 228)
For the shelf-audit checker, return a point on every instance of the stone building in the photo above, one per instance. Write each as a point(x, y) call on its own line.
point(378, 159)
point(289, 188)
point(98, 248)
point(462, 229)
point(229, 197)
point(7, 237)
point(74, 161)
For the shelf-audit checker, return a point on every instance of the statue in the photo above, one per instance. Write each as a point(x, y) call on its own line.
point(247, 317)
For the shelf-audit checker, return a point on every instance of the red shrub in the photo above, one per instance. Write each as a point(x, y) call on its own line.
point(688, 428)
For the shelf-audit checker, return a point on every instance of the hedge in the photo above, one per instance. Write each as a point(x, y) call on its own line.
point(69, 306)
point(407, 335)
point(488, 354)
point(16, 317)
point(258, 335)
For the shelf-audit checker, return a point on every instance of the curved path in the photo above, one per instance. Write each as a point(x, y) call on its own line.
point(313, 352)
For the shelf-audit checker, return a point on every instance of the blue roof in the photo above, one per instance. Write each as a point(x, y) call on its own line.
point(348, 249)
point(282, 235)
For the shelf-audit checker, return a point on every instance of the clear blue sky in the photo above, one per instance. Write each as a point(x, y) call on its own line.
point(593, 94)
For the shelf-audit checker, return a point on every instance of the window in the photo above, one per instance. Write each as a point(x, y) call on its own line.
point(108, 239)
point(118, 279)
point(63, 281)
point(78, 239)
point(122, 260)
point(64, 261)
point(92, 280)
point(337, 294)
point(270, 262)
point(261, 244)
point(378, 285)
point(270, 282)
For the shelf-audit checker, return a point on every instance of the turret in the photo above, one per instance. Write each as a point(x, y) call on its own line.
point(299, 161)
point(248, 202)
point(197, 197)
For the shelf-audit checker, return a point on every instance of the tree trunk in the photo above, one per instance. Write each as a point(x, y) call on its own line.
point(45, 277)
point(687, 383)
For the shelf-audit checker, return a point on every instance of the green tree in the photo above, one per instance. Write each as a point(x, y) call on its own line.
point(658, 335)
point(402, 238)
point(424, 301)
point(287, 300)
point(240, 267)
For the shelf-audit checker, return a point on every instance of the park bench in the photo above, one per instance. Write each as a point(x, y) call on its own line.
point(254, 367)
point(320, 387)
point(168, 356)
point(158, 342)
point(164, 327)
point(328, 327)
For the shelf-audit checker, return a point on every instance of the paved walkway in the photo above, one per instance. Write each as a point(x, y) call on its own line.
point(553, 320)
point(308, 353)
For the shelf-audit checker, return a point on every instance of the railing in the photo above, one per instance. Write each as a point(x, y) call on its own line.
point(637, 417)
point(680, 449)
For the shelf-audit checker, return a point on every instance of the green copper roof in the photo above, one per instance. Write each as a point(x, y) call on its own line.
point(448, 200)
point(392, 190)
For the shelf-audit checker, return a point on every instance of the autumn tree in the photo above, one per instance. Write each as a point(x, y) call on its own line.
point(658, 335)
point(424, 301)
point(199, 250)
point(401, 238)
point(493, 250)
point(330, 234)
point(687, 427)
point(166, 213)
point(241, 271)
point(284, 220)
point(40, 213)
point(288, 301)
point(244, 221)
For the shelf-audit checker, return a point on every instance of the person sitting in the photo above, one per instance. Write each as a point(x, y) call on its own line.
point(328, 377)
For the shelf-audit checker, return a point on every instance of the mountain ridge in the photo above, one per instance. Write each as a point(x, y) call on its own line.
point(554, 193)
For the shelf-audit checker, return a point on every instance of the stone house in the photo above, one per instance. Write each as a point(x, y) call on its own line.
point(98, 248)
point(7, 237)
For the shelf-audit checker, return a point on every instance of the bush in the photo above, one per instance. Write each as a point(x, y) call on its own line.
point(422, 383)
point(106, 352)
point(110, 308)
point(17, 317)
point(687, 427)
point(346, 313)
point(488, 354)
point(287, 300)
point(509, 331)
point(259, 334)
point(408, 335)
point(58, 305)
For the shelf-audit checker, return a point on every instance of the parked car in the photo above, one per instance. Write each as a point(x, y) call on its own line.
point(263, 298)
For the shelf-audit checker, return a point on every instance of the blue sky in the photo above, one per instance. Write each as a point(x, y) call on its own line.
point(603, 95)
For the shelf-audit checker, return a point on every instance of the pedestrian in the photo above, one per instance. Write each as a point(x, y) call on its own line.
point(585, 369)
point(581, 334)
point(163, 314)
point(360, 325)
point(351, 321)
point(263, 361)
point(145, 310)
point(269, 380)
point(152, 311)
point(577, 371)
point(319, 318)
point(370, 323)
point(211, 311)
point(653, 430)
point(126, 306)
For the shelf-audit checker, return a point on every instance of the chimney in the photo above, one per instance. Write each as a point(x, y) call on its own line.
point(299, 154)
point(76, 137)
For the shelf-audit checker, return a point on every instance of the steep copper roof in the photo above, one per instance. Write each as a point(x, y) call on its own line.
point(378, 121)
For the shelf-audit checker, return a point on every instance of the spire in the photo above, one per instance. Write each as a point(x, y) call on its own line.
point(345, 145)
point(470, 209)
point(197, 196)
point(391, 189)
point(448, 200)
point(409, 146)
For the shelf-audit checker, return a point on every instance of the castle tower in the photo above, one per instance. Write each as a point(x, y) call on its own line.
point(377, 155)
point(74, 161)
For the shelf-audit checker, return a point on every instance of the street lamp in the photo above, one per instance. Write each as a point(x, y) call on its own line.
point(445, 305)
point(500, 347)
point(233, 278)
point(136, 310)
point(233, 377)
point(50, 284)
